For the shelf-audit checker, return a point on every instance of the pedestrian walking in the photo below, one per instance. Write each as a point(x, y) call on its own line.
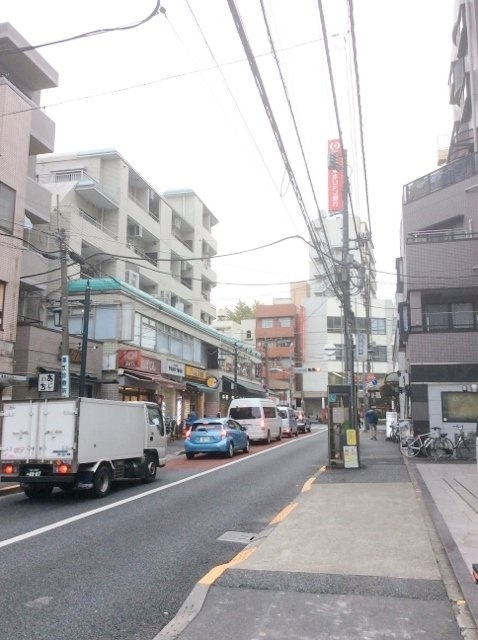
point(371, 419)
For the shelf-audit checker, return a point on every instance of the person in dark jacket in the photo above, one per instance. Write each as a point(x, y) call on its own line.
point(372, 420)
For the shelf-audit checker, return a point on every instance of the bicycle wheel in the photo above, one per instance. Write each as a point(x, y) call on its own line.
point(443, 448)
point(465, 450)
point(411, 447)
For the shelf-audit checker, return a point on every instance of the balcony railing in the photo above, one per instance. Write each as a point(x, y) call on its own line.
point(449, 174)
point(89, 218)
point(440, 235)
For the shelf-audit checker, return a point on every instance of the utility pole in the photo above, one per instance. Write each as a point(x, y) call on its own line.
point(347, 306)
point(235, 371)
point(65, 333)
point(84, 341)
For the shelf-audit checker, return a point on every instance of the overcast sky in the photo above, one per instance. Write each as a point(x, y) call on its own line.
point(176, 98)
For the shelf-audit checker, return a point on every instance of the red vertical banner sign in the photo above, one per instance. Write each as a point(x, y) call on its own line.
point(336, 176)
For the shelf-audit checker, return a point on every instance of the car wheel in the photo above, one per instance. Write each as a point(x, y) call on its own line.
point(297, 433)
point(268, 437)
point(279, 437)
point(189, 455)
point(230, 450)
point(247, 448)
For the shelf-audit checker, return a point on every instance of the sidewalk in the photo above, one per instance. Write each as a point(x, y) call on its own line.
point(359, 555)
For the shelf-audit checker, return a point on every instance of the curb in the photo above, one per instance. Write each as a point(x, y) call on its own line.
point(449, 561)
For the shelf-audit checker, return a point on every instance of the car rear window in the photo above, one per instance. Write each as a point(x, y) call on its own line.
point(245, 413)
point(213, 426)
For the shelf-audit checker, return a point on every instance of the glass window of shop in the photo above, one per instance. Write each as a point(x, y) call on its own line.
point(157, 336)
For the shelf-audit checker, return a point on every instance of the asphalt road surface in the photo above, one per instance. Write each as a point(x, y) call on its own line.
point(120, 568)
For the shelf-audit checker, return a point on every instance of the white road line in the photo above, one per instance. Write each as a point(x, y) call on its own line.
point(120, 503)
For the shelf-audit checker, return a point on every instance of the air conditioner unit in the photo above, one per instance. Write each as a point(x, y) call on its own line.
point(135, 231)
point(132, 278)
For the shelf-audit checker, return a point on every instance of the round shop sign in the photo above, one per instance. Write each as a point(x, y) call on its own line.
point(212, 382)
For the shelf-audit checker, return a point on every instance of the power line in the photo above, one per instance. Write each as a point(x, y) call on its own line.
point(97, 32)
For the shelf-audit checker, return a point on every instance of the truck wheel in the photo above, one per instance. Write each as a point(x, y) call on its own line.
point(38, 490)
point(149, 469)
point(102, 481)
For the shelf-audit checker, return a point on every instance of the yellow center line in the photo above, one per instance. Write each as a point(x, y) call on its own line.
point(284, 513)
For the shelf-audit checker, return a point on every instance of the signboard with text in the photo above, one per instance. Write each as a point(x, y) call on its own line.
point(336, 176)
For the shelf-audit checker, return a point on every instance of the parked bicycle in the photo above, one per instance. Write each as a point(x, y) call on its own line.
point(464, 449)
point(435, 444)
point(439, 445)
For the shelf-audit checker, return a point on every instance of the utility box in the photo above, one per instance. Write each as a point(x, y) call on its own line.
point(343, 437)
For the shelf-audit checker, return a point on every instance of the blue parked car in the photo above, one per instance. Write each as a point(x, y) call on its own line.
point(216, 435)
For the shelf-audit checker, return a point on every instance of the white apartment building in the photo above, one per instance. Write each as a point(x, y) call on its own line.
point(323, 338)
point(360, 252)
point(26, 131)
point(323, 328)
point(117, 225)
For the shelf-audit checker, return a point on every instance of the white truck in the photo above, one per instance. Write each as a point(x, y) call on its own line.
point(80, 443)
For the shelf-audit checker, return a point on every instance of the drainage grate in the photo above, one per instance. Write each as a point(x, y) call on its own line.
point(241, 537)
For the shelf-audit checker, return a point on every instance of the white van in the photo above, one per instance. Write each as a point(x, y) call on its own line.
point(260, 417)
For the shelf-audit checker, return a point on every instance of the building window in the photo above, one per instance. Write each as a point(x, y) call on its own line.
point(267, 323)
point(334, 324)
point(2, 303)
point(7, 207)
point(284, 322)
point(453, 316)
point(379, 353)
point(378, 326)
point(361, 324)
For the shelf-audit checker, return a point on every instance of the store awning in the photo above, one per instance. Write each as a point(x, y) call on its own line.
point(249, 390)
point(203, 388)
point(150, 379)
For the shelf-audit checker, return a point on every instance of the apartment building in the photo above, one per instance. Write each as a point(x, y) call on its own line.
point(324, 349)
point(117, 225)
point(437, 273)
point(26, 132)
point(323, 267)
point(278, 332)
